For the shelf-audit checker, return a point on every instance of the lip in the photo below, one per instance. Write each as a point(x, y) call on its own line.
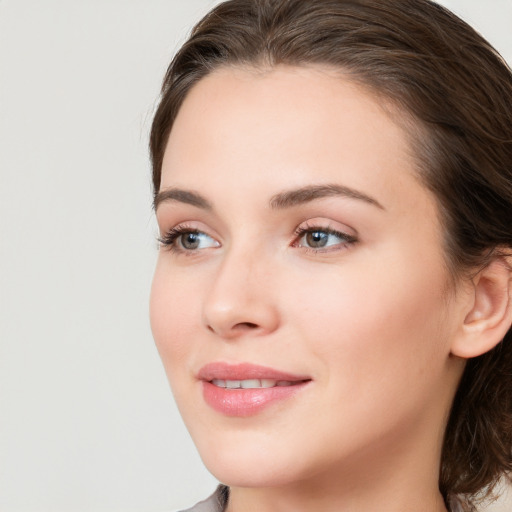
point(246, 402)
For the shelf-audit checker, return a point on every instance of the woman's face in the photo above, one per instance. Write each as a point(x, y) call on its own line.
point(304, 266)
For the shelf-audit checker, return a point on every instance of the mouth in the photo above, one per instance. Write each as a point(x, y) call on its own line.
point(251, 383)
point(245, 389)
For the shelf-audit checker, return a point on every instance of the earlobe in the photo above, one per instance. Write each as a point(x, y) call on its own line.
point(489, 314)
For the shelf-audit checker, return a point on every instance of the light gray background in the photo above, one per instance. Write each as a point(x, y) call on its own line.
point(87, 422)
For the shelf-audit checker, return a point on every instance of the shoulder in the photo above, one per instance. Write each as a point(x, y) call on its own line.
point(215, 503)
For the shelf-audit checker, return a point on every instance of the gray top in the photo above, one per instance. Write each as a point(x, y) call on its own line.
point(215, 503)
point(219, 499)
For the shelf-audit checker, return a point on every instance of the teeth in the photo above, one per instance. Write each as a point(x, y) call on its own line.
point(249, 383)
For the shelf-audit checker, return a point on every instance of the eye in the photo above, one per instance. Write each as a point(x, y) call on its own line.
point(319, 238)
point(187, 240)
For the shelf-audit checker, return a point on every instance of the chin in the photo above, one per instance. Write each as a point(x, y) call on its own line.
point(248, 463)
point(251, 475)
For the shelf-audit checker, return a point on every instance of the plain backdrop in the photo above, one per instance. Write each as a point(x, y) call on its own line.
point(87, 421)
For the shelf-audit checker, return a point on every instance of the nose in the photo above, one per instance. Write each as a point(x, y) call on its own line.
point(240, 301)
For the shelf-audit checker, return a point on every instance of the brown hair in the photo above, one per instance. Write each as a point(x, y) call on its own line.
point(437, 70)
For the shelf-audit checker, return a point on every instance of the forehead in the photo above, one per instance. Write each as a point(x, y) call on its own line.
point(286, 126)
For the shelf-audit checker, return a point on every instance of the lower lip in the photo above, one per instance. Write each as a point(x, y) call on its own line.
point(246, 402)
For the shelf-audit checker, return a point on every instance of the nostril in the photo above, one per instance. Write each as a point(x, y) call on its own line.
point(242, 326)
point(245, 325)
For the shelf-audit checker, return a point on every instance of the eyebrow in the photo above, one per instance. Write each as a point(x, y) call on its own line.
point(286, 199)
point(181, 196)
point(306, 194)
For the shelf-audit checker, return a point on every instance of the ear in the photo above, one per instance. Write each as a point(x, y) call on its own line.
point(489, 311)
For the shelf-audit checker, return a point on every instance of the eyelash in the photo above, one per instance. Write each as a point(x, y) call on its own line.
point(301, 231)
point(170, 238)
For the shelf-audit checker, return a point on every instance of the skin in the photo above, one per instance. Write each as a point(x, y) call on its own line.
point(370, 322)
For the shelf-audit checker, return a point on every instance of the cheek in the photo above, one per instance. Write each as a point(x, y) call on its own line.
point(172, 314)
point(375, 346)
point(376, 320)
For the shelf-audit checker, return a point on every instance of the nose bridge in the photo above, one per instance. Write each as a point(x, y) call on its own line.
point(240, 299)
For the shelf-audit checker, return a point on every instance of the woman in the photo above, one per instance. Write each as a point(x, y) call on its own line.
point(333, 188)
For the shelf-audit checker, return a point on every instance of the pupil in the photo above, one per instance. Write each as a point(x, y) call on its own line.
point(190, 241)
point(316, 239)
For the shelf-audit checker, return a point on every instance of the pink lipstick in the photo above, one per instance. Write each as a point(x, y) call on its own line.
point(246, 389)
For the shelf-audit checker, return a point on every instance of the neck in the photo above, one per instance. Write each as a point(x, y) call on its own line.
point(338, 496)
point(408, 480)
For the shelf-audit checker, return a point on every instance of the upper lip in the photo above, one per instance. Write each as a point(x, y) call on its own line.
point(245, 371)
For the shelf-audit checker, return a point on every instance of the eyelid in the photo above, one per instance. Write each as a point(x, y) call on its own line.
point(170, 237)
point(324, 226)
